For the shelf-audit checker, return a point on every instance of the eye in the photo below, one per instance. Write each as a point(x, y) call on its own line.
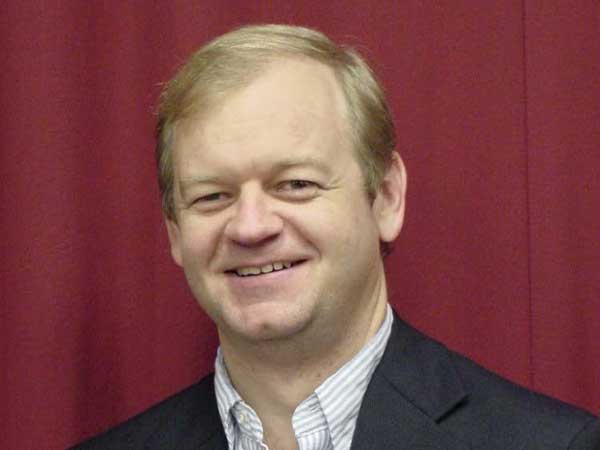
point(298, 189)
point(211, 197)
point(211, 202)
point(293, 185)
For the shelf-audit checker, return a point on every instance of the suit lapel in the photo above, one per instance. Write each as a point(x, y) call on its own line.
point(194, 423)
point(412, 390)
point(198, 442)
point(205, 433)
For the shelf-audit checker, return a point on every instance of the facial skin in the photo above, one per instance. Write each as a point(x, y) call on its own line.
point(271, 177)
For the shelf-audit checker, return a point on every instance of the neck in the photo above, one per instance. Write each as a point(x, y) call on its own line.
point(293, 368)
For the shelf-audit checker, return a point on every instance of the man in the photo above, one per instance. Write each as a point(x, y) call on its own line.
point(282, 191)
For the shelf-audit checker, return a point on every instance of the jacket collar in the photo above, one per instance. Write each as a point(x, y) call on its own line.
point(413, 389)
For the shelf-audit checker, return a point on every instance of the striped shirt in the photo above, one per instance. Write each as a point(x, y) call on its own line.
point(323, 421)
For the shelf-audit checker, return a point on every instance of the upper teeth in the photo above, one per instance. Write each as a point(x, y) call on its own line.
point(244, 271)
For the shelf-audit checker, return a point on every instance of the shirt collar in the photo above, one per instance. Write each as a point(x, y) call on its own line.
point(341, 394)
point(227, 399)
point(331, 411)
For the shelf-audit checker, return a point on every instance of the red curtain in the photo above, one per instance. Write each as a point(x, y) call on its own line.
point(498, 111)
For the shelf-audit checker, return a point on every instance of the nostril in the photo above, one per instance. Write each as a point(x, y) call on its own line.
point(252, 225)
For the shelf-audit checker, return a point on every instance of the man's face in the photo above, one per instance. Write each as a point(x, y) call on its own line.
point(274, 231)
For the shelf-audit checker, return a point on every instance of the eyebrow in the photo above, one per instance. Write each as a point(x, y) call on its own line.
point(280, 166)
point(198, 179)
point(307, 161)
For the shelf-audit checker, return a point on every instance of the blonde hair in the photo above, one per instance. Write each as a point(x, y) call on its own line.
point(235, 59)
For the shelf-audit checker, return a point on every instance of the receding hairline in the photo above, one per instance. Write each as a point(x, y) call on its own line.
point(202, 103)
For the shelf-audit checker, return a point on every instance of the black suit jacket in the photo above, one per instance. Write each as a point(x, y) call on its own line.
point(421, 397)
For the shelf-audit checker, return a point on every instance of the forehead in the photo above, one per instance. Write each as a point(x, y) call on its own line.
point(295, 103)
point(291, 84)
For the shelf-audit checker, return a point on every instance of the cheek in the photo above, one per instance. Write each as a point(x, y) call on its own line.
point(316, 223)
point(358, 234)
point(335, 227)
point(199, 242)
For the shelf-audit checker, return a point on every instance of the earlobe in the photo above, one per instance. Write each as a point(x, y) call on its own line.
point(391, 199)
point(175, 240)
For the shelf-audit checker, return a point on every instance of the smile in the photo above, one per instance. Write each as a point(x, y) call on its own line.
point(266, 268)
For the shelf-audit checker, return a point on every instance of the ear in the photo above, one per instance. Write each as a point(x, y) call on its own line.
point(175, 239)
point(390, 200)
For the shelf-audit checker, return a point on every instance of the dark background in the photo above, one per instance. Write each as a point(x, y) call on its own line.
point(498, 111)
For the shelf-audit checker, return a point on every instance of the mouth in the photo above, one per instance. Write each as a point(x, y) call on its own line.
point(254, 271)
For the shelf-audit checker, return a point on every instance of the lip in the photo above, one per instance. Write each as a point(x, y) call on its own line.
point(277, 280)
point(231, 269)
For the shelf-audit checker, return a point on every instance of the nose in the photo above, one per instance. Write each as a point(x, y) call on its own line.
point(253, 221)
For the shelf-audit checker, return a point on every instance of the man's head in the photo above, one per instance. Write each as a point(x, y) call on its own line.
point(270, 218)
point(235, 59)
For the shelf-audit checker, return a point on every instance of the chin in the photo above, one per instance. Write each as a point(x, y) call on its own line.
point(263, 324)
